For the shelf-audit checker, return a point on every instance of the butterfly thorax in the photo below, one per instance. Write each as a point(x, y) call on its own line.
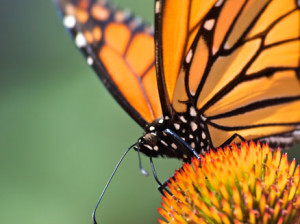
point(190, 128)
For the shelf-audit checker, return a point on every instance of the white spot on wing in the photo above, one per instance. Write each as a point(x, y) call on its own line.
point(227, 46)
point(194, 126)
point(69, 21)
point(161, 121)
point(152, 128)
point(193, 112)
point(163, 142)
point(189, 56)
point(148, 146)
point(214, 50)
point(90, 60)
point(177, 126)
point(203, 118)
point(193, 145)
point(80, 40)
point(136, 22)
point(156, 148)
point(157, 7)
point(219, 3)
point(119, 16)
point(209, 24)
point(127, 13)
point(182, 118)
point(174, 146)
point(203, 135)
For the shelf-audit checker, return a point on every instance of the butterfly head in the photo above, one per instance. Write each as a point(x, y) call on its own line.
point(151, 143)
point(151, 139)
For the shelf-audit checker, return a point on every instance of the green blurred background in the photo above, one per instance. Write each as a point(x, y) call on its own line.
point(61, 132)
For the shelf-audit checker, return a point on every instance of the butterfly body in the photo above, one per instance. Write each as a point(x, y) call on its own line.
point(190, 128)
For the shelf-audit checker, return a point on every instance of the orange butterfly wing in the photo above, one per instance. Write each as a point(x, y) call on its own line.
point(242, 71)
point(177, 23)
point(235, 61)
point(121, 50)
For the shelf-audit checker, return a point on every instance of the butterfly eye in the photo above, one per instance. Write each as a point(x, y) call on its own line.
point(151, 138)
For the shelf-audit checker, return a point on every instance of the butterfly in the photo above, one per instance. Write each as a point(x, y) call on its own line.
point(209, 74)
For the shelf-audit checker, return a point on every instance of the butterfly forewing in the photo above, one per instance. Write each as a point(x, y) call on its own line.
point(241, 72)
point(227, 70)
point(120, 48)
point(177, 23)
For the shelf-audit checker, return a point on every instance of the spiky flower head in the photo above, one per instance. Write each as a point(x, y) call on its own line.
point(249, 184)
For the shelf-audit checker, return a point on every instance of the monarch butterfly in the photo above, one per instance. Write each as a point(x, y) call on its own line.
point(212, 72)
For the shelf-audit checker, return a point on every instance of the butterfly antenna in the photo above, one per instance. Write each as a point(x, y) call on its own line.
point(108, 182)
point(143, 171)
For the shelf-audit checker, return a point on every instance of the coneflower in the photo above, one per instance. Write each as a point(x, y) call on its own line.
point(249, 184)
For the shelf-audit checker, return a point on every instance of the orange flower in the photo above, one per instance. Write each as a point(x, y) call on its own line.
point(247, 185)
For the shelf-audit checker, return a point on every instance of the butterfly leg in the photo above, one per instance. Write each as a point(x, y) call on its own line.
point(161, 186)
point(182, 145)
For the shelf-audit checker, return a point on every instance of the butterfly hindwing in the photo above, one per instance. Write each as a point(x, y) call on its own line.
point(120, 48)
